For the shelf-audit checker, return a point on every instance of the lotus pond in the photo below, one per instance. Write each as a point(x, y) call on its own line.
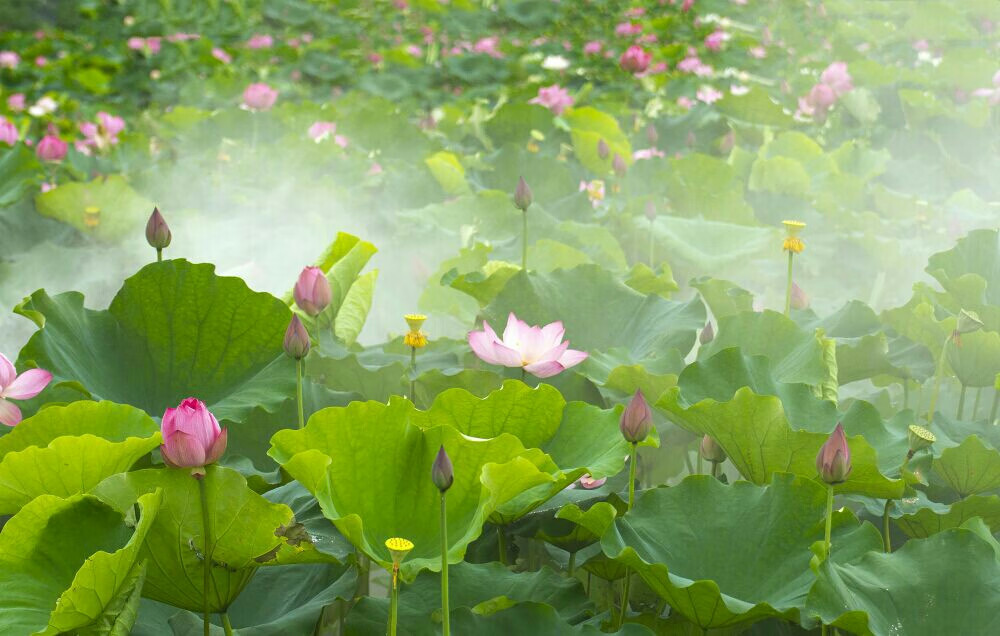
point(419, 317)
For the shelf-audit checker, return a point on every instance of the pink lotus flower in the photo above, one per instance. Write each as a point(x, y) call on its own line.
point(833, 462)
point(41, 61)
point(594, 190)
point(993, 94)
point(626, 29)
point(540, 351)
point(312, 291)
point(9, 59)
point(221, 55)
point(51, 148)
point(192, 436)
point(592, 48)
point(836, 77)
point(635, 59)
point(259, 96)
point(8, 132)
point(555, 98)
point(111, 124)
point(320, 130)
point(758, 52)
point(18, 387)
point(648, 153)
point(686, 6)
point(489, 46)
point(820, 99)
point(714, 40)
point(693, 64)
point(708, 94)
point(16, 102)
point(260, 41)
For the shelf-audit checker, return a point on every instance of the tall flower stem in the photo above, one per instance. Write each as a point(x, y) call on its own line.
point(715, 470)
point(626, 585)
point(394, 600)
point(571, 568)
point(961, 403)
point(631, 477)
point(445, 627)
point(501, 545)
point(226, 625)
point(206, 550)
point(159, 254)
point(886, 539)
point(298, 392)
point(652, 245)
point(906, 394)
point(524, 241)
point(975, 403)
point(826, 534)
point(413, 374)
point(993, 409)
point(937, 380)
point(788, 285)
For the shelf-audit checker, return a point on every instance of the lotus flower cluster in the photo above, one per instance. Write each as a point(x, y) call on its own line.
point(541, 351)
point(18, 387)
point(834, 83)
point(192, 437)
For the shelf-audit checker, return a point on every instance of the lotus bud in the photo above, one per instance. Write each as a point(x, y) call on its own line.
point(834, 459)
point(618, 165)
point(707, 334)
point(968, 321)
point(442, 473)
point(799, 298)
point(157, 232)
point(522, 195)
point(192, 437)
point(711, 451)
point(650, 211)
point(919, 438)
point(651, 135)
point(602, 149)
point(296, 339)
point(636, 420)
point(312, 291)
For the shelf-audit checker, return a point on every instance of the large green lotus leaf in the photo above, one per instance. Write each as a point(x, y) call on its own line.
point(369, 468)
point(325, 543)
point(573, 528)
point(72, 565)
point(431, 384)
point(933, 517)
point(702, 187)
point(350, 375)
point(969, 468)
point(121, 209)
point(970, 271)
point(796, 354)
point(484, 588)
point(754, 432)
point(916, 321)
point(684, 543)
point(530, 617)
point(245, 531)
point(259, 611)
point(876, 355)
point(755, 107)
point(110, 421)
point(723, 297)
point(948, 583)
point(174, 330)
point(976, 361)
point(599, 311)
point(704, 245)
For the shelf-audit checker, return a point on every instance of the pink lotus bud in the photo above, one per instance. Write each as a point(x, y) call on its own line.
point(157, 232)
point(651, 135)
point(711, 451)
point(8, 132)
point(602, 149)
point(650, 211)
point(312, 291)
point(192, 437)
point(522, 195)
point(822, 97)
point(618, 165)
point(296, 339)
point(51, 148)
point(442, 472)
point(707, 334)
point(635, 59)
point(636, 420)
point(259, 96)
point(714, 40)
point(799, 298)
point(686, 5)
point(834, 459)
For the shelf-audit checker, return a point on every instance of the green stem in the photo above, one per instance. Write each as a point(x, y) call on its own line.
point(159, 254)
point(625, 594)
point(206, 552)
point(829, 518)
point(937, 381)
point(961, 403)
point(413, 374)
point(501, 545)
point(652, 245)
point(298, 392)
point(571, 569)
point(226, 625)
point(975, 403)
point(524, 242)
point(993, 409)
point(445, 627)
point(886, 539)
point(906, 394)
point(523, 374)
point(715, 470)
point(631, 477)
point(788, 285)
point(394, 601)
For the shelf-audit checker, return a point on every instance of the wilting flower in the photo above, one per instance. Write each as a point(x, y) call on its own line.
point(792, 242)
point(192, 436)
point(415, 338)
point(541, 351)
point(522, 195)
point(51, 148)
point(442, 472)
point(8, 132)
point(555, 98)
point(312, 291)
point(589, 483)
point(259, 96)
point(636, 420)
point(834, 459)
point(296, 341)
point(18, 387)
point(635, 59)
point(157, 231)
point(711, 451)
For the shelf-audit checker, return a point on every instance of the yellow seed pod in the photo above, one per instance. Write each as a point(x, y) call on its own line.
point(415, 321)
point(398, 548)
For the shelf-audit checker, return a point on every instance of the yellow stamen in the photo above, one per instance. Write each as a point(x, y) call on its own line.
point(793, 244)
point(415, 339)
point(91, 216)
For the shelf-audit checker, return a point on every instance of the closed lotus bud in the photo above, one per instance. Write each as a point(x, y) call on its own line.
point(192, 437)
point(618, 165)
point(834, 459)
point(919, 438)
point(636, 420)
point(799, 298)
point(602, 149)
point(651, 135)
point(312, 291)
point(296, 339)
point(442, 472)
point(711, 451)
point(650, 211)
point(707, 334)
point(157, 232)
point(522, 195)
point(968, 321)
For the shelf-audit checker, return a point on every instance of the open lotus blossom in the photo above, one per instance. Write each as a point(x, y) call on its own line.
point(259, 96)
point(192, 436)
point(541, 351)
point(555, 98)
point(18, 387)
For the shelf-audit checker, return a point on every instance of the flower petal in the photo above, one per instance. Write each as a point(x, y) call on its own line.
point(544, 369)
point(512, 332)
point(572, 357)
point(506, 356)
point(218, 447)
point(28, 384)
point(10, 415)
point(482, 343)
point(183, 451)
point(552, 354)
point(7, 372)
point(553, 333)
point(533, 346)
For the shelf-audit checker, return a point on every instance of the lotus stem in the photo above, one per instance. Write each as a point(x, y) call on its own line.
point(625, 595)
point(445, 626)
point(394, 600)
point(886, 539)
point(631, 477)
point(975, 403)
point(906, 394)
point(993, 409)
point(715, 470)
point(631, 501)
point(652, 245)
point(159, 254)
point(501, 545)
point(298, 392)
point(524, 241)
point(788, 285)
point(206, 550)
point(961, 403)
point(413, 374)
point(937, 381)
point(226, 625)
point(571, 569)
point(829, 518)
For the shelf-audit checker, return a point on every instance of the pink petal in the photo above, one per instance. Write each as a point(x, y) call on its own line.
point(10, 415)
point(554, 353)
point(7, 372)
point(532, 344)
point(28, 384)
point(553, 334)
point(506, 356)
point(183, 451)
point(572, 357)
point(544, 369)
point(218, 448)
point(512, 333)
point(482, 343)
